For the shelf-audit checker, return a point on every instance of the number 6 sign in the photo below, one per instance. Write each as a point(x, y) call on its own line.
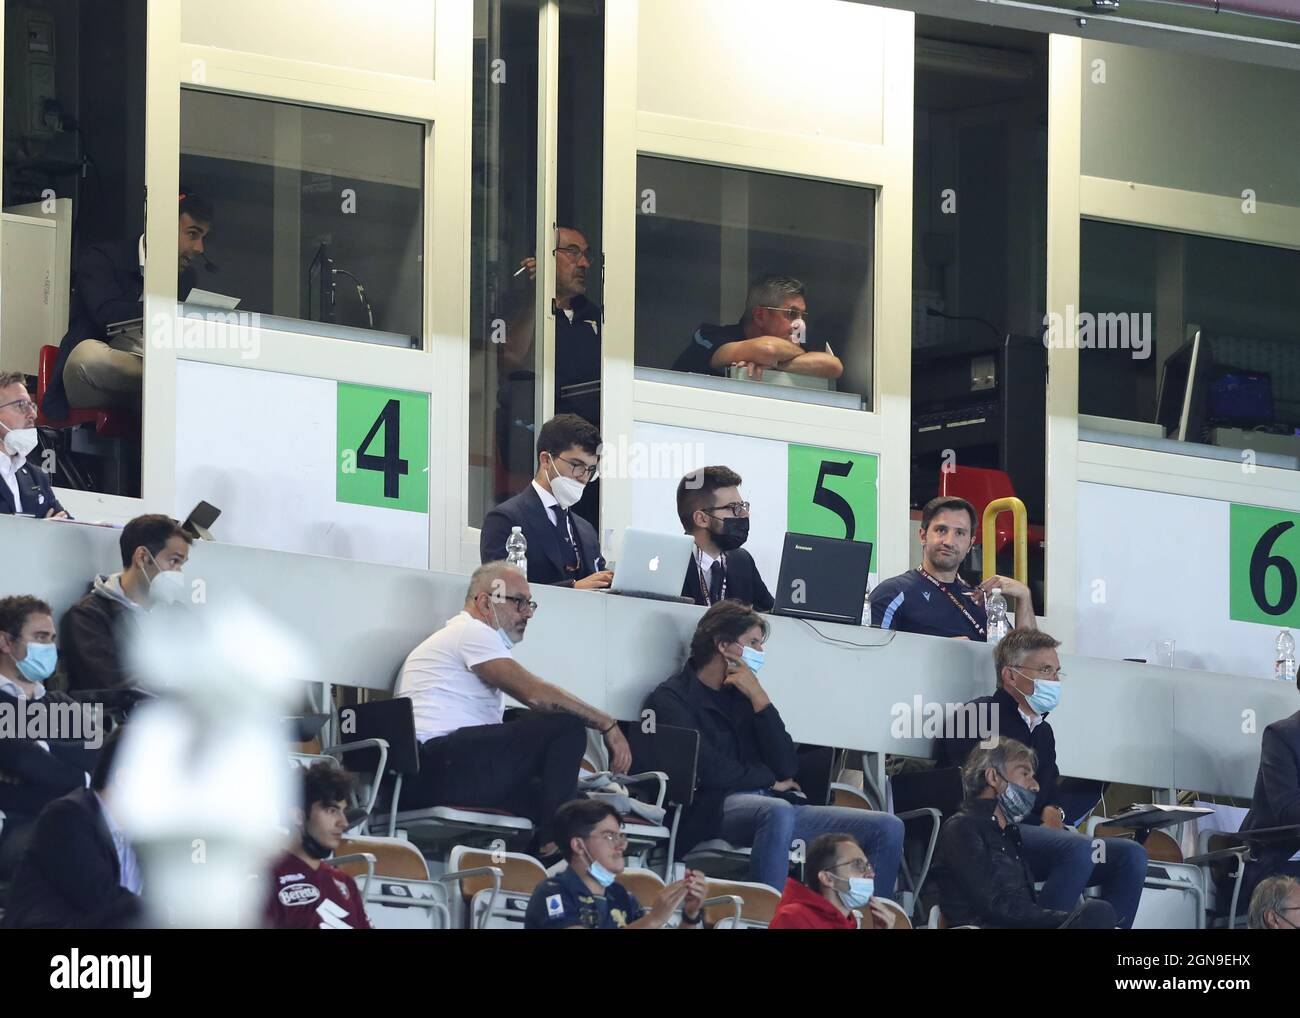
point(1264, 552)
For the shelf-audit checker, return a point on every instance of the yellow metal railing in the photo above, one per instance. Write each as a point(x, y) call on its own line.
point(1020, 536)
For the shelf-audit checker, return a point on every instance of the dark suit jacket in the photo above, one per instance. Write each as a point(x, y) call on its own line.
point(952, 751)
point(33, 488)
point(33, 776)
point(739, 750)
point(1276, 802)
point(743, 581)
point(545, 565)
point(69, 876)
point(109, 285)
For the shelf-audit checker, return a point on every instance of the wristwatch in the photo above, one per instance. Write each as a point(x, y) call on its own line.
point(1062, 812)
point(688, 921)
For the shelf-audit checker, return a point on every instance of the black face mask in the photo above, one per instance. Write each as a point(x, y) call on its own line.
point(313, 847)
point(734, 533)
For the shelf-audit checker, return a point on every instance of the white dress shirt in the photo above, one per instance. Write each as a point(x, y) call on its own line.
point(550, 504)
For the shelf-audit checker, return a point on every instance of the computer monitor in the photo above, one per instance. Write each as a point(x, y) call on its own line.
point(320, 286)
point(1184, 390)
point(823, 578)
point(1240, 398)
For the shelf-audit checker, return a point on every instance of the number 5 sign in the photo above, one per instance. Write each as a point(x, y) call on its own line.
point(832, 494)
point(1264, 554)
point(383, 448)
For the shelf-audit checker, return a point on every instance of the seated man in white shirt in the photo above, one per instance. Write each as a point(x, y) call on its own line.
point(457, 681)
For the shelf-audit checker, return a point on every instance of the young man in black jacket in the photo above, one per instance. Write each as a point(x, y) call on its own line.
point(983, 877)
point(79, 872)
point(154, 550)
point(746, 787)
point(712, 511)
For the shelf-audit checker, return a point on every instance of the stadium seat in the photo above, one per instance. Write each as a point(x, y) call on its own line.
point(649, 839)
point(108, 422)
point(399, 892)
point(1223, 857)
point(1174, 889)
point(484, 902)
point(979, 487)
point(739, 905)
point(928, 816)
point(901, 920)
point(432, 828)
point(311, 753)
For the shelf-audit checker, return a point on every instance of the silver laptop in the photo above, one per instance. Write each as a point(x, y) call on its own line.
point(652, 563)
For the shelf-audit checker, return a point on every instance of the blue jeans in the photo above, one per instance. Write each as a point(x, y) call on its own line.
point(770, 825)
point(1063, 860)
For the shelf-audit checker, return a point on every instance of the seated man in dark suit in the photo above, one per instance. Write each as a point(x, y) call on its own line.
point(1028, 674)
point(93, 369)
point(983, 877)
point(711, 511)
point(79, 872)
point(1276, 802)
point(34, 771)
point(154, 550)
point(563, 549)
point(24, 487)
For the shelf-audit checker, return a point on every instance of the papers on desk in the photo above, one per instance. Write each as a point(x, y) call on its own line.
point(1153, 815)
point(208, 299)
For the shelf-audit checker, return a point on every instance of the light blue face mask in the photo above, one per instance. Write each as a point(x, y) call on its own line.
point(39, 663)
point(1046, 694)
point(505, 637)
point(859, 892)
point(599, 873)
point(753, 658)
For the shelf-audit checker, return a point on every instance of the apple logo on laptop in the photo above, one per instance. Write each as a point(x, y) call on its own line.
point(654, 564)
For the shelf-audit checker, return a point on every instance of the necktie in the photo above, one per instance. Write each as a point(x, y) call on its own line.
point(568, 553)
point(715, 581)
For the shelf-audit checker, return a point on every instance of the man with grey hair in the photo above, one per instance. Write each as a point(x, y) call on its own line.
point(1029, 682)
point(983, 877)
point(772, 333)
point(457, 681)
point(1274, 902)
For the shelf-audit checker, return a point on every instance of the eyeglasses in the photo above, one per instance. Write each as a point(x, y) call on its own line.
point(794, 314)
point(575, 252)
point(520, 602)
point(737, 508)
point(616, 838)
point(1046, 672)
point(579, 470)
point(860, 867)
point(25, 406)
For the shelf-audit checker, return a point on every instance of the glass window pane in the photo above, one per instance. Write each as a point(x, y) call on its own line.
point(317, 215)
point(503, 356)
point(754, 282)
point(1189, 339)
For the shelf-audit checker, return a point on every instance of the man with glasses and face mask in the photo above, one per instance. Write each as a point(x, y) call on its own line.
point(712, 511)
point(1029, 688)
point(457, 681)
point(983, 877)
point(586, 896)
point(837, 892)
point(563, 549)
point(772, 333)
point(24, 488)
point(154, 551)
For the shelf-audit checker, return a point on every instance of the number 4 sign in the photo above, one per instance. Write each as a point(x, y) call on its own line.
point(383, 448)
point(1264, 552)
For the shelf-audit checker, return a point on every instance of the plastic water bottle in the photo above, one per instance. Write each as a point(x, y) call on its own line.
point(997, 614)
point(1285, 668)
point(517, 549)
point(866, 605)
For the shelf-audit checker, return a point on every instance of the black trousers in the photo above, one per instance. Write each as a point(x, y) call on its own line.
point(528, 767)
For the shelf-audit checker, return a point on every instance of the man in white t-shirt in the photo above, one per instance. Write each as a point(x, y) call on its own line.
point(457, 681)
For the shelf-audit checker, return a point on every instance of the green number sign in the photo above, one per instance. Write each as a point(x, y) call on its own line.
point(1263, 555)
point(383, 448)
point(832, 494)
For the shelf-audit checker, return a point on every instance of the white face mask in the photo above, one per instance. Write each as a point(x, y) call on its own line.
point(167, 587)
point(20, 441)
point(567, 490)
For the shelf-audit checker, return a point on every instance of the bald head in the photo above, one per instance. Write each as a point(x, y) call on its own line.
point(500, 597)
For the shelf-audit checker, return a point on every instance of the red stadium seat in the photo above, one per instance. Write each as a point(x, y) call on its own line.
point(108, 423)
point(979, 487)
